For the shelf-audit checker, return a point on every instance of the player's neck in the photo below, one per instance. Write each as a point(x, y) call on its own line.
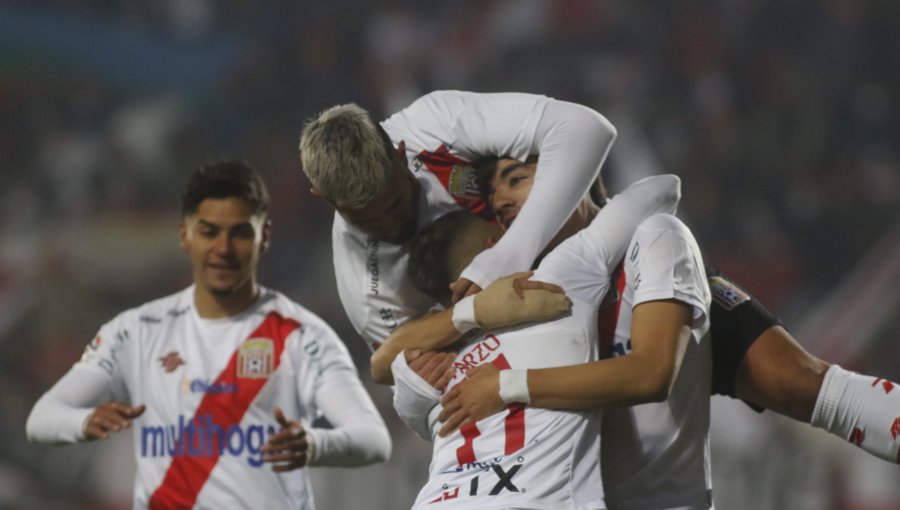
point(216, 305)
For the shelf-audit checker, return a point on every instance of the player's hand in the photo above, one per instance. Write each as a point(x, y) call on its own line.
point(475, 398)
point(110, 417)
point(515, 299)
point(435, 367)
point(288, 448)
point(462, 288)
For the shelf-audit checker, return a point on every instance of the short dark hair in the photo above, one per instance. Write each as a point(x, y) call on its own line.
point(485, 168)
point(225, 179)
point(429, 265)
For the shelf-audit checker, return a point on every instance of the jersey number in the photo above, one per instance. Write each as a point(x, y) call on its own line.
point(514, 427)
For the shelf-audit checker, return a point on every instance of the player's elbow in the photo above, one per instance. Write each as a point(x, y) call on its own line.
point(384, 446)
point(380, 366)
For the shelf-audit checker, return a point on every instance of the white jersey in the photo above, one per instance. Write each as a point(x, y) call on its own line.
point(444, 132)
point(531, 457)
point(210, 387)
point(656, 455)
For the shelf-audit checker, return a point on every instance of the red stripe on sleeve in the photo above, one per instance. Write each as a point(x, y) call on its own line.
point(187, 474)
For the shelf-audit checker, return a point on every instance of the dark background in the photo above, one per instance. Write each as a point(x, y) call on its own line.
point(781, 117)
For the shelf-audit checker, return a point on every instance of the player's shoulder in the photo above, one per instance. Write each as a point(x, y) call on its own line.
point(276, 301)
point(662, 222)
point(157, 311)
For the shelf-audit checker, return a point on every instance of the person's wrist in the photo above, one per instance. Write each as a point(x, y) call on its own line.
point(514, 386)
point(463, 316)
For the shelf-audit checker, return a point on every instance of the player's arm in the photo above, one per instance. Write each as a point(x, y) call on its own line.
point(660, 332)
point(508, 301)
point(358, 436)
point(573, 142)
point(77, 408)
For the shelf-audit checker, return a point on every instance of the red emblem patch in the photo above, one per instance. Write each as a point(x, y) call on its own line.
point(895, 428)
point(171, 361)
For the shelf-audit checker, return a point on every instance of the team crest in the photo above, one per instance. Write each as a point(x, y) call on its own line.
point(727, 294)
point(256, 358)
point(462, 182)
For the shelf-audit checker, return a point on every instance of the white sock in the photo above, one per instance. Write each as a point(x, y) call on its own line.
point(861, 409)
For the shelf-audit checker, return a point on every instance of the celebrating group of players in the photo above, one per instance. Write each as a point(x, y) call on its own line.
point(582, 384)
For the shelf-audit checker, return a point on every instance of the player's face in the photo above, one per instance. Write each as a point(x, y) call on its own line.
point(392, 215)
point(511, 185)
point(225, 239)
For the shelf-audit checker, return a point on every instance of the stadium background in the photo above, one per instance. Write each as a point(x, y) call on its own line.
point(782, 118)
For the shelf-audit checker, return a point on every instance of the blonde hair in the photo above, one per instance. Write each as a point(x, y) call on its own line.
point(346, 155)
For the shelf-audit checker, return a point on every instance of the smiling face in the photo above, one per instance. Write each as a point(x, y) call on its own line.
point(225, 238)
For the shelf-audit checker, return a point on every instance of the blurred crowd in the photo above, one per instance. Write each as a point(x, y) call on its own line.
point(781, 117)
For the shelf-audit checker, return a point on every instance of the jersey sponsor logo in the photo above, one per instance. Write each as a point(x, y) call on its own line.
point(726, 294)
point(480, 465)
point(186, 475)
point(150, 319)
point(171, 361)
point(504, 483)
point(205, 386)
point(178, 312)
point(256, 358)
point(201, 436)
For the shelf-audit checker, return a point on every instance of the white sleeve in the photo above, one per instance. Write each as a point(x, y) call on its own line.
point(664, 262)
point(572, 141)
point(332, 388)
point(59, 415)
point(583, 263)
point(359, 435)
point(414, 398)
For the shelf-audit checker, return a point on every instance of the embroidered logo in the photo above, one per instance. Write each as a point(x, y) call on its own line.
point(256, 358)
point(171, 361)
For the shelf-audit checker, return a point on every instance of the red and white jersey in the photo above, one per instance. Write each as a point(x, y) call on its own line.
point(210, 387)
point(443, 132)
point(656, 456)
point(531, 457)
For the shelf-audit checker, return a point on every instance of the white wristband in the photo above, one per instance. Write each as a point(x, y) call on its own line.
point(514, 386)
point(464, 314)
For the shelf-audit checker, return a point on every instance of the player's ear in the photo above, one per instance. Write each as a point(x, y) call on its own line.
point(401, 153)
point(266, 236)
point(183, 236)
point(315, 192)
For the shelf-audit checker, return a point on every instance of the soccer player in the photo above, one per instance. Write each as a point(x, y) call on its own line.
point(754, 357)
point(219, 379)
point(387, 180)
point(529, 457)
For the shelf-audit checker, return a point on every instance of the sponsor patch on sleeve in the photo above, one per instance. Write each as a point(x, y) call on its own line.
point(727, 294)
